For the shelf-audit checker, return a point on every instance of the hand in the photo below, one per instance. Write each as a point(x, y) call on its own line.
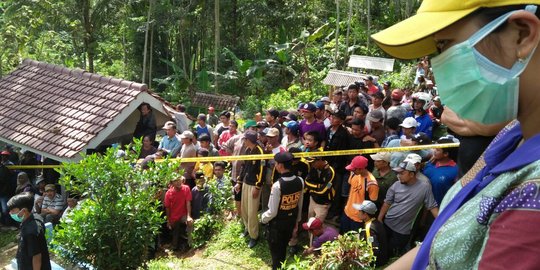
point(189, 221)
point(255, 193)
point(368, 138)
point(308, 251)
point(169, 225)
point(237, 187)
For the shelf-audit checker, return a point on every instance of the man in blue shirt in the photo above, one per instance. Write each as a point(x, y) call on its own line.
point(170, 143)
point(442, 170)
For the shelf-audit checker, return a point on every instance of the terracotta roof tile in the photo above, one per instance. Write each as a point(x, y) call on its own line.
point(57, 110)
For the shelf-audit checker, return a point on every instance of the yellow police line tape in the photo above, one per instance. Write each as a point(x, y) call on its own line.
point(271, 156)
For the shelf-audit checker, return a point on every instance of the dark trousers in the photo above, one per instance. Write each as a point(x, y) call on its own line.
point(348, 225)
point(279, 233)
point(398, 243)
point(179, 234)
point(336, 209)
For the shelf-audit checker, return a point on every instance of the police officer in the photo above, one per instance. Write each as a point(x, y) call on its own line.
point(284, 208)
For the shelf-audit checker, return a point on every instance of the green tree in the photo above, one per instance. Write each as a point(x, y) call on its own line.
point(116, 223)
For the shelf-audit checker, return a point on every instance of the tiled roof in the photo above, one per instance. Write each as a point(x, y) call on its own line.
point(343, 78)
point(58, 111)
point(218, 101)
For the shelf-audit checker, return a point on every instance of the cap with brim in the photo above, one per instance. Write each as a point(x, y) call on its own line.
point(50, 187)
point(187, 135)
point(169, 124)
point(366, 206)
point(406, 40)
point(250, 123)
point(405, 166)
point(312, 224)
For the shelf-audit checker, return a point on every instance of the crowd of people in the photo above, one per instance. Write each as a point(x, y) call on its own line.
point(395, 194)
point(387, 194)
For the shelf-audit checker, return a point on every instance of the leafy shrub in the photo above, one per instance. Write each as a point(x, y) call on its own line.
point(347, 252)
point(117, 222)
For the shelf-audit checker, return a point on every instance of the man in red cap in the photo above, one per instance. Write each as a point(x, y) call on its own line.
point(363, 186)
point(321, 233)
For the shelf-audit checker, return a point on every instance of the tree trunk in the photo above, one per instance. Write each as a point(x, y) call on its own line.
point(337, 34)
point(151, 56)
point(368, 22)
point(216, 44)
point(349, 16)
point(148, 18)
point(88, 35)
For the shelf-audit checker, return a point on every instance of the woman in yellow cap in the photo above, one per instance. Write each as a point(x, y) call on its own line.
point(487, 73)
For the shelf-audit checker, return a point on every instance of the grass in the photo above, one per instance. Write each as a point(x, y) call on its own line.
point(7, 237)
point(226, 250)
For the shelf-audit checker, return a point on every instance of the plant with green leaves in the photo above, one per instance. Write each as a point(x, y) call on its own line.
point(347, 252)
point(118, 219)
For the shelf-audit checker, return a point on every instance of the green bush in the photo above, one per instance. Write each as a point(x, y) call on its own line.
point(117, 222)
point(347, 252)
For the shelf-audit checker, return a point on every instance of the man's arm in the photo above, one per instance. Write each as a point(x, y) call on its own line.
point(36, 261)
point(434, 211)
point(384, 210)
point(189, 220)
point(273, 204)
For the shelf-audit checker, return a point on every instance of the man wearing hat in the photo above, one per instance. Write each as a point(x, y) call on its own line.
point(421, 103)
point(385, 176)
point(403, 201)
point(363, 186)
point(374, 232)
point(310, 123)
point(52, 206)
point(170, 143)
point(337, 138)
point(319, 183)
point(250, 182)
point(321, 234)
point(284, 208)
point(291, 138)
point(375, 119)
point(188, 150)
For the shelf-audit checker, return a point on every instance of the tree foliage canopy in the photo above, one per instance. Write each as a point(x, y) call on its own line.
point(262, 46)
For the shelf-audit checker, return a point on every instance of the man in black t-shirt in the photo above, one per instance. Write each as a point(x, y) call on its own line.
point(32, 252)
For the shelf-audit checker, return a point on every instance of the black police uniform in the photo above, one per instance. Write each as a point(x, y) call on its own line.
point(281, 227)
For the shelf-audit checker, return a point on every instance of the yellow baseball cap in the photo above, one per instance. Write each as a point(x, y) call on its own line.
point(412, 38)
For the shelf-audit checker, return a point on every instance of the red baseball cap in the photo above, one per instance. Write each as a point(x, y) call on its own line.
point(312, 224)
point(358, 162)
point(397, 94)
point(5, 153)
point(210, 108)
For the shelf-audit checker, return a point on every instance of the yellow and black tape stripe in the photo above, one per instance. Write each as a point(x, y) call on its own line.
point(271, 156)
